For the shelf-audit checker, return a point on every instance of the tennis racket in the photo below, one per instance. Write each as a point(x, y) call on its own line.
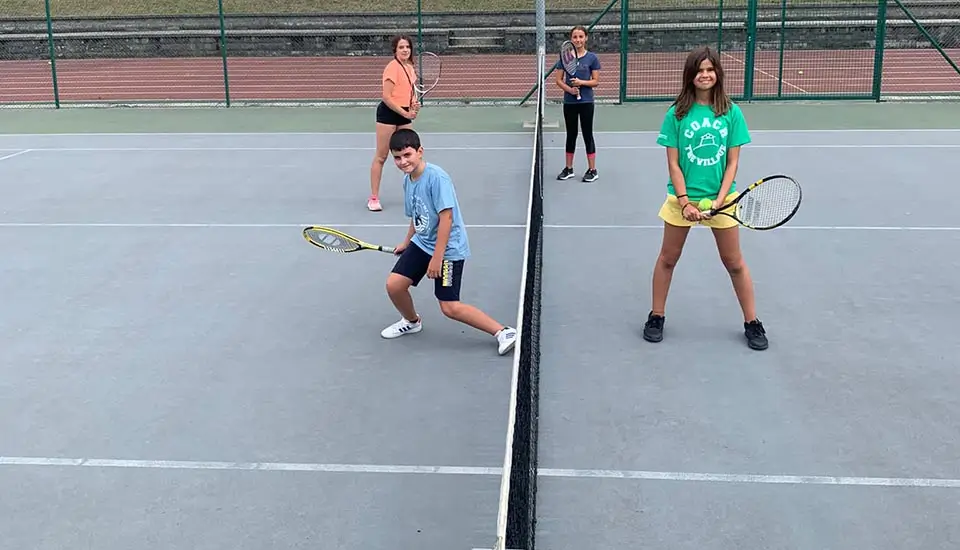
point(765, 204)
point(569, 61)
point(428, 76)
point(336, 241)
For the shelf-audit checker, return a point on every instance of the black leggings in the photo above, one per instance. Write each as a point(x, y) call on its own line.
point(583, 112)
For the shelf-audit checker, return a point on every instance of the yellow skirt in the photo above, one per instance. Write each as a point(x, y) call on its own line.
point(671, 213)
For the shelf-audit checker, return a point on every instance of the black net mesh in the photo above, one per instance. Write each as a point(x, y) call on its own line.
point(521, 516)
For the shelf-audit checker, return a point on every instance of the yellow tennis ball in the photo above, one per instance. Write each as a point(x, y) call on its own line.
point(705, 204)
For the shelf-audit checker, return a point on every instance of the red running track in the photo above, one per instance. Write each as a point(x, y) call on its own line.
point(475, 76)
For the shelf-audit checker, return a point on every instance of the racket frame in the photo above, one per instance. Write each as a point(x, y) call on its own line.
point(359, 245)
point(563, 46)
point(732, 204)
point(421, 90)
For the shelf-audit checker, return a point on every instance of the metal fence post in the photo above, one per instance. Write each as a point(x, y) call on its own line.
point(419, 40)
point(878, 49)
point(750, 54)
point(624, 46)
point(223, 52)
point(541, 24)
point(720, 27)
point(53, 55)
point(783, 40)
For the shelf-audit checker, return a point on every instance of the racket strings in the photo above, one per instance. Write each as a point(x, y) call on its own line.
point(770, 203)
point(331, 241)
point(428, 71)
point(568, 57)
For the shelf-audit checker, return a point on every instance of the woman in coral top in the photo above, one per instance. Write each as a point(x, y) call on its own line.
point(396, 110)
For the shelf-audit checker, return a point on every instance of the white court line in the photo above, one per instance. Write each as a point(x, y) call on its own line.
point(18, 153)
point(782, 228)
point(943, 483)
point(469, 226)
point(755, 478)
point(241, 225)
point(472, 133)
point(263, 466)
point(496, 147)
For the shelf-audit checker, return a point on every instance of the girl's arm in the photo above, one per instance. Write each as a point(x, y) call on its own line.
point(676, 176)
point(593, 82)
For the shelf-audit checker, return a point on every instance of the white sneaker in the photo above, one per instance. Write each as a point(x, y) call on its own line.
point(402, 328)
point(507, 337)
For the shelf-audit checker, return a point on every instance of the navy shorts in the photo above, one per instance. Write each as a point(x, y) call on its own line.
point(413, 264)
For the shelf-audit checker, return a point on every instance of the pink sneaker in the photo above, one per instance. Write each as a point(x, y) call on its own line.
point(373, 204)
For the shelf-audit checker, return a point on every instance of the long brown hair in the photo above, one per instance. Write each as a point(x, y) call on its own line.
point(688, 94)
point(395, 43)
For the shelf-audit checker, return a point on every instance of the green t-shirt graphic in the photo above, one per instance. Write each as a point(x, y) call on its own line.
point(703, 140)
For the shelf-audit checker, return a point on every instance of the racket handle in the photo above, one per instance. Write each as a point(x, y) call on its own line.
point(388, 249)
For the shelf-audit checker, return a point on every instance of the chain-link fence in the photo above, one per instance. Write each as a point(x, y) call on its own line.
point(248, 51)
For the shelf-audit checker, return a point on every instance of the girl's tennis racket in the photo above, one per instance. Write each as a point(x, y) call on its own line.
point(336, 241)
point(428, 74)
point(569, 61)
point(765, 204)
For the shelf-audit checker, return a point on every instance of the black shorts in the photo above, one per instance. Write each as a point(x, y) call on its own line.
point(413, 264)
point(386, 115)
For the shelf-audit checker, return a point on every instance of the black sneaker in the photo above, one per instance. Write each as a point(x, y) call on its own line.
point(566, 174)
point(756, 336)
point(590, 175)
point(653, 329)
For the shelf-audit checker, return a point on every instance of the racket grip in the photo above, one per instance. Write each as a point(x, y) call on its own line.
point(388, 249)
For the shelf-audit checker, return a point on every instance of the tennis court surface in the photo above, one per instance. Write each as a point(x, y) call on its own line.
point(180, 369)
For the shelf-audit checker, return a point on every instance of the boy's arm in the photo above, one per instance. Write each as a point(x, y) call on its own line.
point(444, 226)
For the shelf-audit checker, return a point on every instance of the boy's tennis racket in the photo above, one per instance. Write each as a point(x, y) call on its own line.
point(765, 204)
point(569, 61)
point(337, 241)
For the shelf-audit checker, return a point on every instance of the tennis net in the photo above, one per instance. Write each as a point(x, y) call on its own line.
point(516, 521)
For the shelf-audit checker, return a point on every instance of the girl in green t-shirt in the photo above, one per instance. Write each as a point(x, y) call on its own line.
point(703, 131)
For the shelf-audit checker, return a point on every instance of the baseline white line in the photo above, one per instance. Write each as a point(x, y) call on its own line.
point(17, 154)
point(472, 133)
point(242, 225)
point(491, 148)
point(783, 228)
point(469, 226)
point(16, 461)
point(754, 478)
point(262, 466)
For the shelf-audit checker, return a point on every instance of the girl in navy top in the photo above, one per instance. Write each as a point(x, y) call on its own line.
point(574, 110)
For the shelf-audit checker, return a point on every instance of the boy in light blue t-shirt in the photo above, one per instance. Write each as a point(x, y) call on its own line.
point(436, 246)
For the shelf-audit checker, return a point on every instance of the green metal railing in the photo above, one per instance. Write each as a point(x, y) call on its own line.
point(266, 51)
